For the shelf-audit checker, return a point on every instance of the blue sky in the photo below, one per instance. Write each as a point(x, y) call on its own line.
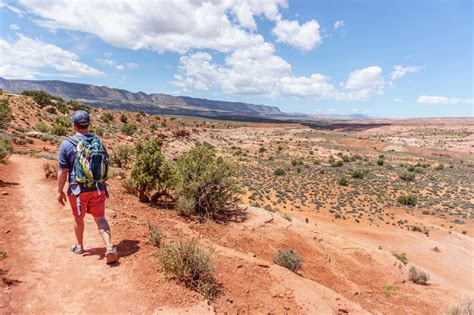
point(381, 58)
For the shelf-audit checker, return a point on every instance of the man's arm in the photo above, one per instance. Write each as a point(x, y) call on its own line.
point(62, 177)
point(63, 168)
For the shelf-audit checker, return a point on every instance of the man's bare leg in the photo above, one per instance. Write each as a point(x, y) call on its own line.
point(79, 230)
point(104, 230)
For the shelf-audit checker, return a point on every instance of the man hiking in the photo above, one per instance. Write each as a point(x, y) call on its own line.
point(83, 160)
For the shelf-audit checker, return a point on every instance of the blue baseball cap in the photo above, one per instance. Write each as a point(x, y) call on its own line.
point(81, 118)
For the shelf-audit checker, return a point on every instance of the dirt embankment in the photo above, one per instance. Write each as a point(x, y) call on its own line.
point(343, 269)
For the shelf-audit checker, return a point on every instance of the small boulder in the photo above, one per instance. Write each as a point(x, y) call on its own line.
point(50, 109)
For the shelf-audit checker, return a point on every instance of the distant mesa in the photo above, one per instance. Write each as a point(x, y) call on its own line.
point(110, 98)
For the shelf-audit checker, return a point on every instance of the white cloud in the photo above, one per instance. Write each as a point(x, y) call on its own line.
point(303, 36)
point(113, 63)
point(444, 100)
point(363, 83)
point(400, 71)
point(189, 27)
point(338, 25)
point(15, 10)
point(27, 58)
point(166, 25)
point(14, 27)
point(259, 72)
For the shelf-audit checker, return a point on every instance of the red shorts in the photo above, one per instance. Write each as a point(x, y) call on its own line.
point(91, 202)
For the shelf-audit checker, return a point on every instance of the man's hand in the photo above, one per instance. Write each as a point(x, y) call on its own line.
point(62, 198)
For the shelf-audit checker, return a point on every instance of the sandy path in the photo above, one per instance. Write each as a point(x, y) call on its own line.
point(53, 280)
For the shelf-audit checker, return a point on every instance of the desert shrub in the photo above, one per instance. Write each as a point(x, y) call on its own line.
point(402, 257)
point(5, 147)
point(439, 167)
point(154, 235)
point(342, 181)
point(358, 174)
point(5, 114)
point(42, 98)
point(128, 129)
point(418, 276)
point(151, 171)
point(338, 163)
point(98, 131)
point(279, 172)
point(262, 150)
point(129, 186)
point(62, 107)
point(59, 130)
point(190, 264)
point(297, 162)
point(122, 155)
point(464, 308)
point(62, 126)
point(75, 105)
point(106, 117)
point(42, 126)
point(152, 127)
point(288, 259)
point(50, 171)
point(407, 200)
point(406, 176)
point(3, 254)
point(207, 181)
point(380, 161)
point(287, 217)
point(123, 118)
point(389, 290)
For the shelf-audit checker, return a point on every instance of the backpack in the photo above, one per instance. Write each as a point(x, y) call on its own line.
point(92, 163)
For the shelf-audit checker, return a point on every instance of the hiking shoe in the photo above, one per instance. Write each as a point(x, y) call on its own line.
point(111, 255)
point(77, 249)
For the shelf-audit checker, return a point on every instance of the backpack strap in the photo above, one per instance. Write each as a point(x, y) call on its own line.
point(73, 140)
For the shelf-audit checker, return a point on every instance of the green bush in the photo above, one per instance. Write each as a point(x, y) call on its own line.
point(406, 176)
point(59, 130)
point(42, 126)
point(5, 114)
point(358, 174)
point(5, 147)
point(190, 264)
point(154, 236)
point(106, 117)
point(151, 171)
point(128, 185)
point(62, 126)
point(342, 181)
point(75, 105)
point(205, 182)
point(380, 162)
point(336, 163)
point(407, 200)
point(42, 98)
point(402, 257)
point(417, 276)
point(123, 118)
point(288, 259)
point(279, 172)
point(99, 131)
point(128, 129)
point(122, 155)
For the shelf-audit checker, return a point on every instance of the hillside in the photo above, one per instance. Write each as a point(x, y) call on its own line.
point(357, 241)
point(105, 97)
